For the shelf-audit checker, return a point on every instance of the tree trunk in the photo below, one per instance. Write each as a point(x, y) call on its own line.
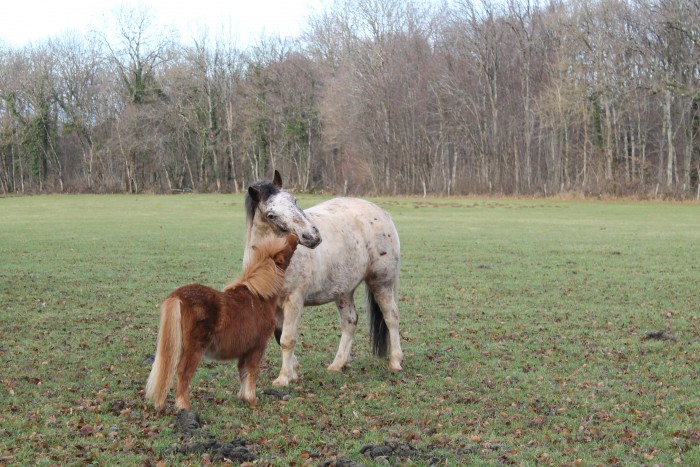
point(669, 138)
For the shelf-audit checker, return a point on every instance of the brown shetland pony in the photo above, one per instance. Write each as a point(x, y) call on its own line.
point(236, 323)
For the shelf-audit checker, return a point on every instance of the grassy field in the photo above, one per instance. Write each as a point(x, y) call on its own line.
point(534, 331)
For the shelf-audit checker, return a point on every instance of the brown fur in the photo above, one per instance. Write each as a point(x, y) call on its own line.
point(237, 323)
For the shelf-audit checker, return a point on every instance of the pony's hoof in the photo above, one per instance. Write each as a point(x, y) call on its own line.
point(248, 399)
point(395, 367)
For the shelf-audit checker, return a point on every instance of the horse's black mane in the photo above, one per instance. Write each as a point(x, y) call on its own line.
point(266, 189)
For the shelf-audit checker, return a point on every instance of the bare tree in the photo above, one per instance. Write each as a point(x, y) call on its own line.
point(137, 51)
point(78, 87)
point(28, 95)
point(381, 96)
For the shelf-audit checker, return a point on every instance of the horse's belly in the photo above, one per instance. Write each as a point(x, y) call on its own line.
point(330, 287)
point(320, 298)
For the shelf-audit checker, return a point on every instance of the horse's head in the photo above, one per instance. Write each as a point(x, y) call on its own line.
point(279, 209)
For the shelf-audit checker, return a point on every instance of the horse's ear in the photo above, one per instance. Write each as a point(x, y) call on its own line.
point(254, 194)
point(277, 179)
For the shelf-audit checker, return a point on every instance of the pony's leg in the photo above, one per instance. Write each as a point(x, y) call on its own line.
point(248, 369)
point(191, 356)
point(386, 299)
point(292, 307)
point(348, 323)
point(242, 376)
point(245, 376)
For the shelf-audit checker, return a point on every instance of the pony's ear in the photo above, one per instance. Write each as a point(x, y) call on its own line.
point(254, 194)
point(282, 259)
point(277, 179)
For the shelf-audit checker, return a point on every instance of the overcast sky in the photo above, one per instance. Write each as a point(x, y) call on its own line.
point(25, 21)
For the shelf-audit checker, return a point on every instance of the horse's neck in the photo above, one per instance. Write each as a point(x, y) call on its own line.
point(255, 233)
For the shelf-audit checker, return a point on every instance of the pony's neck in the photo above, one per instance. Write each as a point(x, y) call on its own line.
point(256, 231)
point(261, 274)
point(261, 277)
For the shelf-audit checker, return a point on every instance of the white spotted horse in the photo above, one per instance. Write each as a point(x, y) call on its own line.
point(360, 244)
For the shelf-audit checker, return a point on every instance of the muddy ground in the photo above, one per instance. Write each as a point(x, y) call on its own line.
point(195, 438)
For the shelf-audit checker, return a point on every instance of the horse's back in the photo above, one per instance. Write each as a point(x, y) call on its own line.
point(359, 241)
point(355, 221)
point(359, 216)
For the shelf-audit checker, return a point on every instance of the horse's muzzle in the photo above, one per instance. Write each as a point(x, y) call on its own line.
point(311, 240)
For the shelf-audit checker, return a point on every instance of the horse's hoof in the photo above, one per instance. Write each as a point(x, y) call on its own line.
point(333, 368)
point(395, 367)
point(281, 381)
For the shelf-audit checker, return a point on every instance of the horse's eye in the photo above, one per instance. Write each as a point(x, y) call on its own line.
point(271, 216)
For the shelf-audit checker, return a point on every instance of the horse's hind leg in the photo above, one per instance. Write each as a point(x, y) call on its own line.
point(348, 323)
point(385, 296)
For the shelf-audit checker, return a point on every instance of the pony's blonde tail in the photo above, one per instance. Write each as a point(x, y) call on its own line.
point(168, 353)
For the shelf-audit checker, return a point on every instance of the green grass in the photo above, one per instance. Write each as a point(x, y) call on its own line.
point(523, 325)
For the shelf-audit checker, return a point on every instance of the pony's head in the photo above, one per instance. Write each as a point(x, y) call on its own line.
point(284, 256)
point(279, 209)
point(263, 275)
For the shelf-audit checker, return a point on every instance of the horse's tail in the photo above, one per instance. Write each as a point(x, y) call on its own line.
point(378, 330)
point(168, 352)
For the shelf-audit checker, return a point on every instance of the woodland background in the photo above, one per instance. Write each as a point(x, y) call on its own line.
point(516, 97)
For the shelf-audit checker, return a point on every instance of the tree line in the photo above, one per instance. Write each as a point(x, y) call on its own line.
point(516, 97)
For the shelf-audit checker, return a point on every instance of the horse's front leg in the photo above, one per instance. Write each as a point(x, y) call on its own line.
point(278, 337)
point(348, 323)
point(291, 309)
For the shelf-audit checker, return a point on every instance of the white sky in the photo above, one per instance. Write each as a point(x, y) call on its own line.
point(32, 21)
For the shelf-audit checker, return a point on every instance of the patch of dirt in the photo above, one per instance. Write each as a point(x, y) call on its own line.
point(389, 453)
point(188, 423)
point(195, 439)
point(340, 461)
point(275, 394)
point(660, 335)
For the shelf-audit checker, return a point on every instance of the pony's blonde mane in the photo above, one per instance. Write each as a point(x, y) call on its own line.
point(261, 275)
